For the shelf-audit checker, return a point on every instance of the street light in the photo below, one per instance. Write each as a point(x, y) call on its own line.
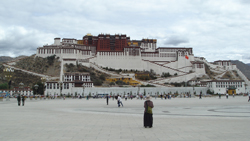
point(36, 87)
point(43, 79)
point(138, 88)
point(60, 84)
point(83, 87)
point(21, 86)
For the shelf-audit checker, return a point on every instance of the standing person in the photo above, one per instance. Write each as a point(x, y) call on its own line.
point(23, 99)
point(219, 95)
point(19, 100)
point(200, 94)
point(107, 97)
point(248, 97)
point(227, 95)
point(148, 114)
point(119, 101)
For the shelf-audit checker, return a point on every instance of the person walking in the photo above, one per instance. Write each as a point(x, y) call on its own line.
point(119, 99)
point(19, 100)
point(23, 99)
point(107, 98)
point(148, 114)
point(227, 95)
point(219, 95)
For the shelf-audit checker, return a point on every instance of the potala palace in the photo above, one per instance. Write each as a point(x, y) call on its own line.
point(119, 52)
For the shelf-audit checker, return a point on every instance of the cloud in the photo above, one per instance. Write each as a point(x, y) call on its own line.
point(211, 27)
point(16, 41)
point(176, 40)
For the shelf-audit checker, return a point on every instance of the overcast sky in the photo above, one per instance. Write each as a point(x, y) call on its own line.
point(215, 29)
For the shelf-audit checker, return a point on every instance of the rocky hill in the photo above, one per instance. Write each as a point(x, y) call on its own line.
point(244, 68)
point(48, 66)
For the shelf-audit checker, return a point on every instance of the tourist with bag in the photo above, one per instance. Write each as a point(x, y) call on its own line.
point(148, 114)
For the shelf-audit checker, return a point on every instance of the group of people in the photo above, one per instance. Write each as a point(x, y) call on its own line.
point(19, 98)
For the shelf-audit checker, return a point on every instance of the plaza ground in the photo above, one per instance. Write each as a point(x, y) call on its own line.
point(178, 119)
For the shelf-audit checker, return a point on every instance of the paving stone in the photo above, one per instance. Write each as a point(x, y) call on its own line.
point(179, 119)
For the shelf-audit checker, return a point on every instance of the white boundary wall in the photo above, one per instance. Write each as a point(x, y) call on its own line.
point(123, 90)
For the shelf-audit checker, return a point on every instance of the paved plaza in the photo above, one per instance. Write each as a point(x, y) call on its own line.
point(178, 119)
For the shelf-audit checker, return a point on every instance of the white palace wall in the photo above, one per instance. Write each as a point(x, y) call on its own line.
point(70, 54)
point(121, 61)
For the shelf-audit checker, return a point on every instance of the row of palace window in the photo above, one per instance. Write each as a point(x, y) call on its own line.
point(149, 55)
point(226, 86)
point(174, 50)
point(167, 55)
point(56, 85)
point(112, 53)
point(56, 51)
point(238, 83)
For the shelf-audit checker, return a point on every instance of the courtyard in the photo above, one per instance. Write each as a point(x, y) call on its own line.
point(178, 119)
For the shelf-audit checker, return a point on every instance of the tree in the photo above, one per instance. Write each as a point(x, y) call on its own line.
point(50, 59)
point(102, 77)
point(4, 86)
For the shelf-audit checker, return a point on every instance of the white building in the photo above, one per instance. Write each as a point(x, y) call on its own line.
point(221, 86)
point(73, 83)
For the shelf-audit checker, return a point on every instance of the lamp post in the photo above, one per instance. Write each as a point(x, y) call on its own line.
point(36, 87)
point(83, 87)
point(43, 79)
point(21, 87)
point(60, 86)
point(138, 88)
point(245, 88)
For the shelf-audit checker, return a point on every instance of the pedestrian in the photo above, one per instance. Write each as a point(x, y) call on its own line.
point(165, 96)
point(248, 97)
point(200, 94)
point(227, 95)
point(107, 97)
point(23, 99)
point(148, 114)
point(119, 99)
point(19, 100)
point(219, 95)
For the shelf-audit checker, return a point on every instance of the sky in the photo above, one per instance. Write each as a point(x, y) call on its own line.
point(215, 29)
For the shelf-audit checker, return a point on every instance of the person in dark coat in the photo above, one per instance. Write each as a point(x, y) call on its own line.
point(19, 100)
point(107, 97)
point(148, 114)
point(23, 99)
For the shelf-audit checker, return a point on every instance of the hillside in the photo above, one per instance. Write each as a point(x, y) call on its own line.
point(244, 68)
point(48, 66)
